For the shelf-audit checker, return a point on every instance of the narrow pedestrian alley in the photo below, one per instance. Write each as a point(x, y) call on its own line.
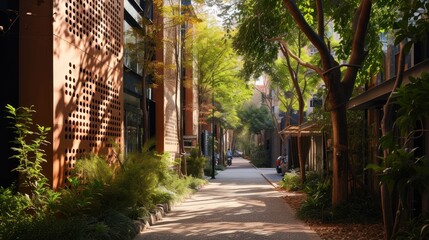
point(239, 204)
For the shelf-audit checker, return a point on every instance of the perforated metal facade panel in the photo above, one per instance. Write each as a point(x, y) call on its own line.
point(81, 74)
point(88, 79)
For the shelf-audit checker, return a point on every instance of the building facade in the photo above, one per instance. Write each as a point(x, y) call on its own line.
point(372, 100)
point(67, 59)
point(70, 69)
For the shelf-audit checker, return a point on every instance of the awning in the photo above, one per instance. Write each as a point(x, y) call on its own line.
point(307, 129)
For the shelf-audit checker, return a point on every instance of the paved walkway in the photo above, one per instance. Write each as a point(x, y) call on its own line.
point(239, 204)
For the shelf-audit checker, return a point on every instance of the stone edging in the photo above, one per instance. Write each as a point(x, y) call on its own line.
point(156, 215)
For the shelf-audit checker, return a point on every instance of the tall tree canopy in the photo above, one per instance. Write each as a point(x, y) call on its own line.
point(265, 26)
point(217, 67)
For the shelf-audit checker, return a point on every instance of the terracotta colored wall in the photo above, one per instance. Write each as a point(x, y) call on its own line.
point(79, 79)
point(36, 65)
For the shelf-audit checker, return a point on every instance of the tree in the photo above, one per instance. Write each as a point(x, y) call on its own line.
point(141, 44)
point(167, 31)
point(284, 71)
point(270, 19)
point(217, 72)
point(176, 19)
point(257, 119)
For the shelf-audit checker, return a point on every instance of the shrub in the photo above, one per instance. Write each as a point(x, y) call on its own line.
point(100, 200)
point(259, 157)
point(291, 181)
point(50, 228)
point(81, 199)
point(197, 183)
point(208, 168)
point(28, 148)
point(195, 163)
point(94, 168)
point(361, 208)
point(162, 195)
point(110, 225)
point(13, 207)
point(18, 208)
point(180, 186)
point(417, 228)
point(122, 185)
point(318, 202)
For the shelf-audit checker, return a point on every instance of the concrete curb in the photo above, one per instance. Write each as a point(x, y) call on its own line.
point(275, 185)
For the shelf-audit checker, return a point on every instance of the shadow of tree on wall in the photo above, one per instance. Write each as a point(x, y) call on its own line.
point(88, 94)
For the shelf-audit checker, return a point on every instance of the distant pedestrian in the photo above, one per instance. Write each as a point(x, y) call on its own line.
point(228, 157)
point(228, 153)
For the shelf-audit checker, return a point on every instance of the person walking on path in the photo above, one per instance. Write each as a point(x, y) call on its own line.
point(238, 204)
point(229, 157)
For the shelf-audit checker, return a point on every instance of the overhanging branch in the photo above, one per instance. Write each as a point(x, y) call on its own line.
point(284, 47)
point(339, 66)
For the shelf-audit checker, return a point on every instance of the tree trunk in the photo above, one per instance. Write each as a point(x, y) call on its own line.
point(339, 91)
point(178, 44)
point(145, 115)
point(386, 207)
point(300, 152)
point(340, 165)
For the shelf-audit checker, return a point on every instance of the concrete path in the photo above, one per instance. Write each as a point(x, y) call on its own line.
point(239, 204)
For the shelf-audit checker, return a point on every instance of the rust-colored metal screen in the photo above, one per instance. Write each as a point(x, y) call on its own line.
point(88, 100)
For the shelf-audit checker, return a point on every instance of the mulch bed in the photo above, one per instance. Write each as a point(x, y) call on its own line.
point(336, 231)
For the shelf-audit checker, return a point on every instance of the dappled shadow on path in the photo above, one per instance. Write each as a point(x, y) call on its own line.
point(238, 204)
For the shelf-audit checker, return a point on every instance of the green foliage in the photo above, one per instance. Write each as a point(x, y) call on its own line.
point(129, 190)
point(113, 225)
point(220, 167)
point(81, 198)
point(100, 186)
point(195, 163)
point(180, 186)
point(50, 229)
point(259, 157)
point(318, 201)
point(412, 22)
point(101, 199)
point(361, 208)
point(37, 198)
point(402, 170)
point(417, 228)
point(94, 168)
point(218, 74)
point(109, 226)
point(282, 82)
point(208, 169)
point(291, 181)
point(257, 119)
point(28, 147)
point(97, 189)
point(196, 183)
point(162, 195)
point(413, 102)
point(13, 210)
point(258, 22)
